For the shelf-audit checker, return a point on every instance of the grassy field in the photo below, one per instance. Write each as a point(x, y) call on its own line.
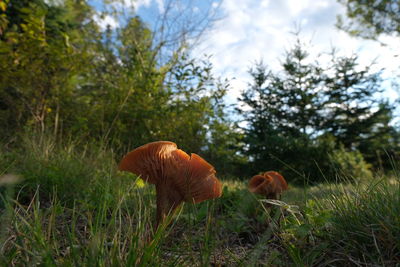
point(64, 206)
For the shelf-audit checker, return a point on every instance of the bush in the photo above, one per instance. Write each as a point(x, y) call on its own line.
point(349, 165)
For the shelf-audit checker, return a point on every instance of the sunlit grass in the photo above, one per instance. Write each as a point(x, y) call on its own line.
point(366, 221)
point(69, 206)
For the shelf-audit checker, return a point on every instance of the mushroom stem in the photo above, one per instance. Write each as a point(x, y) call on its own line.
point(168, 199)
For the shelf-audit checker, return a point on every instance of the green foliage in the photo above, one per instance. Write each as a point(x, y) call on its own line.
point(284, 116)
point(301, 233)
point(350, 165)
point(42, 51)
point(3, 17)
point(369, 19)
point(353, 113)
point(296, 118)
point(241, 210)
point(223, 150)
point(62, 74)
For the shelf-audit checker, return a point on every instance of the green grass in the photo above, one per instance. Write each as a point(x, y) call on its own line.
point(73, 208)
point(367, 221)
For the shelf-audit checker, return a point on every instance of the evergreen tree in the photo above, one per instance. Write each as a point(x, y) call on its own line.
point(298, 87)
point(281, 114)
point(259, 109)
point(295, 118)
point(354, 112)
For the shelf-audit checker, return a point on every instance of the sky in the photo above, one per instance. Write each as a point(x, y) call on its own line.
point(247, 31)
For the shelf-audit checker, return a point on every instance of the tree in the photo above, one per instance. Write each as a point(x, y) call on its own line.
point(371, 18)
point(351, 95)
point(259, 106)
point(196, 102)
point(281, 113)
point(354, 112)
point(42, 50)
point(63, 74)
point(176, 25)
point(298, 86)
point(296, 118)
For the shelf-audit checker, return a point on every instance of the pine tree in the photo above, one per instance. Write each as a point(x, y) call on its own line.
point(280, 111)
point(355, 114)
point(295, 118)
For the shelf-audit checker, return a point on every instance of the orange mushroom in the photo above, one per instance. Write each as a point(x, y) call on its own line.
point(177, 176)
point(269, 184)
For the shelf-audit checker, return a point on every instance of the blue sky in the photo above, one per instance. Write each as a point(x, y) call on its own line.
point(251, 30)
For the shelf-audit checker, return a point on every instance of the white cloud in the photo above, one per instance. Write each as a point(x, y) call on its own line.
point(251, 30)
point(296, 6)
point(136, 3)
point(105, 21)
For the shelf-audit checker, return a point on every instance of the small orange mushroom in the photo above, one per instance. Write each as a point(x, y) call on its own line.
point(270, 184)
point(177, 176)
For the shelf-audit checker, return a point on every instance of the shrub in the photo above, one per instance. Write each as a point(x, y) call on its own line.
point(349, 165)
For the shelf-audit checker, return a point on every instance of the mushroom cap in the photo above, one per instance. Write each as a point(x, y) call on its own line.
point(259, 183)
point(148, 161)
point(278, 180)
point(198, 181)
point(269, 184)
point(163, 163)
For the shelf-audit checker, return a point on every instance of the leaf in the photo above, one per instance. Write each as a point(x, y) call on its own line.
point(3, 6)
